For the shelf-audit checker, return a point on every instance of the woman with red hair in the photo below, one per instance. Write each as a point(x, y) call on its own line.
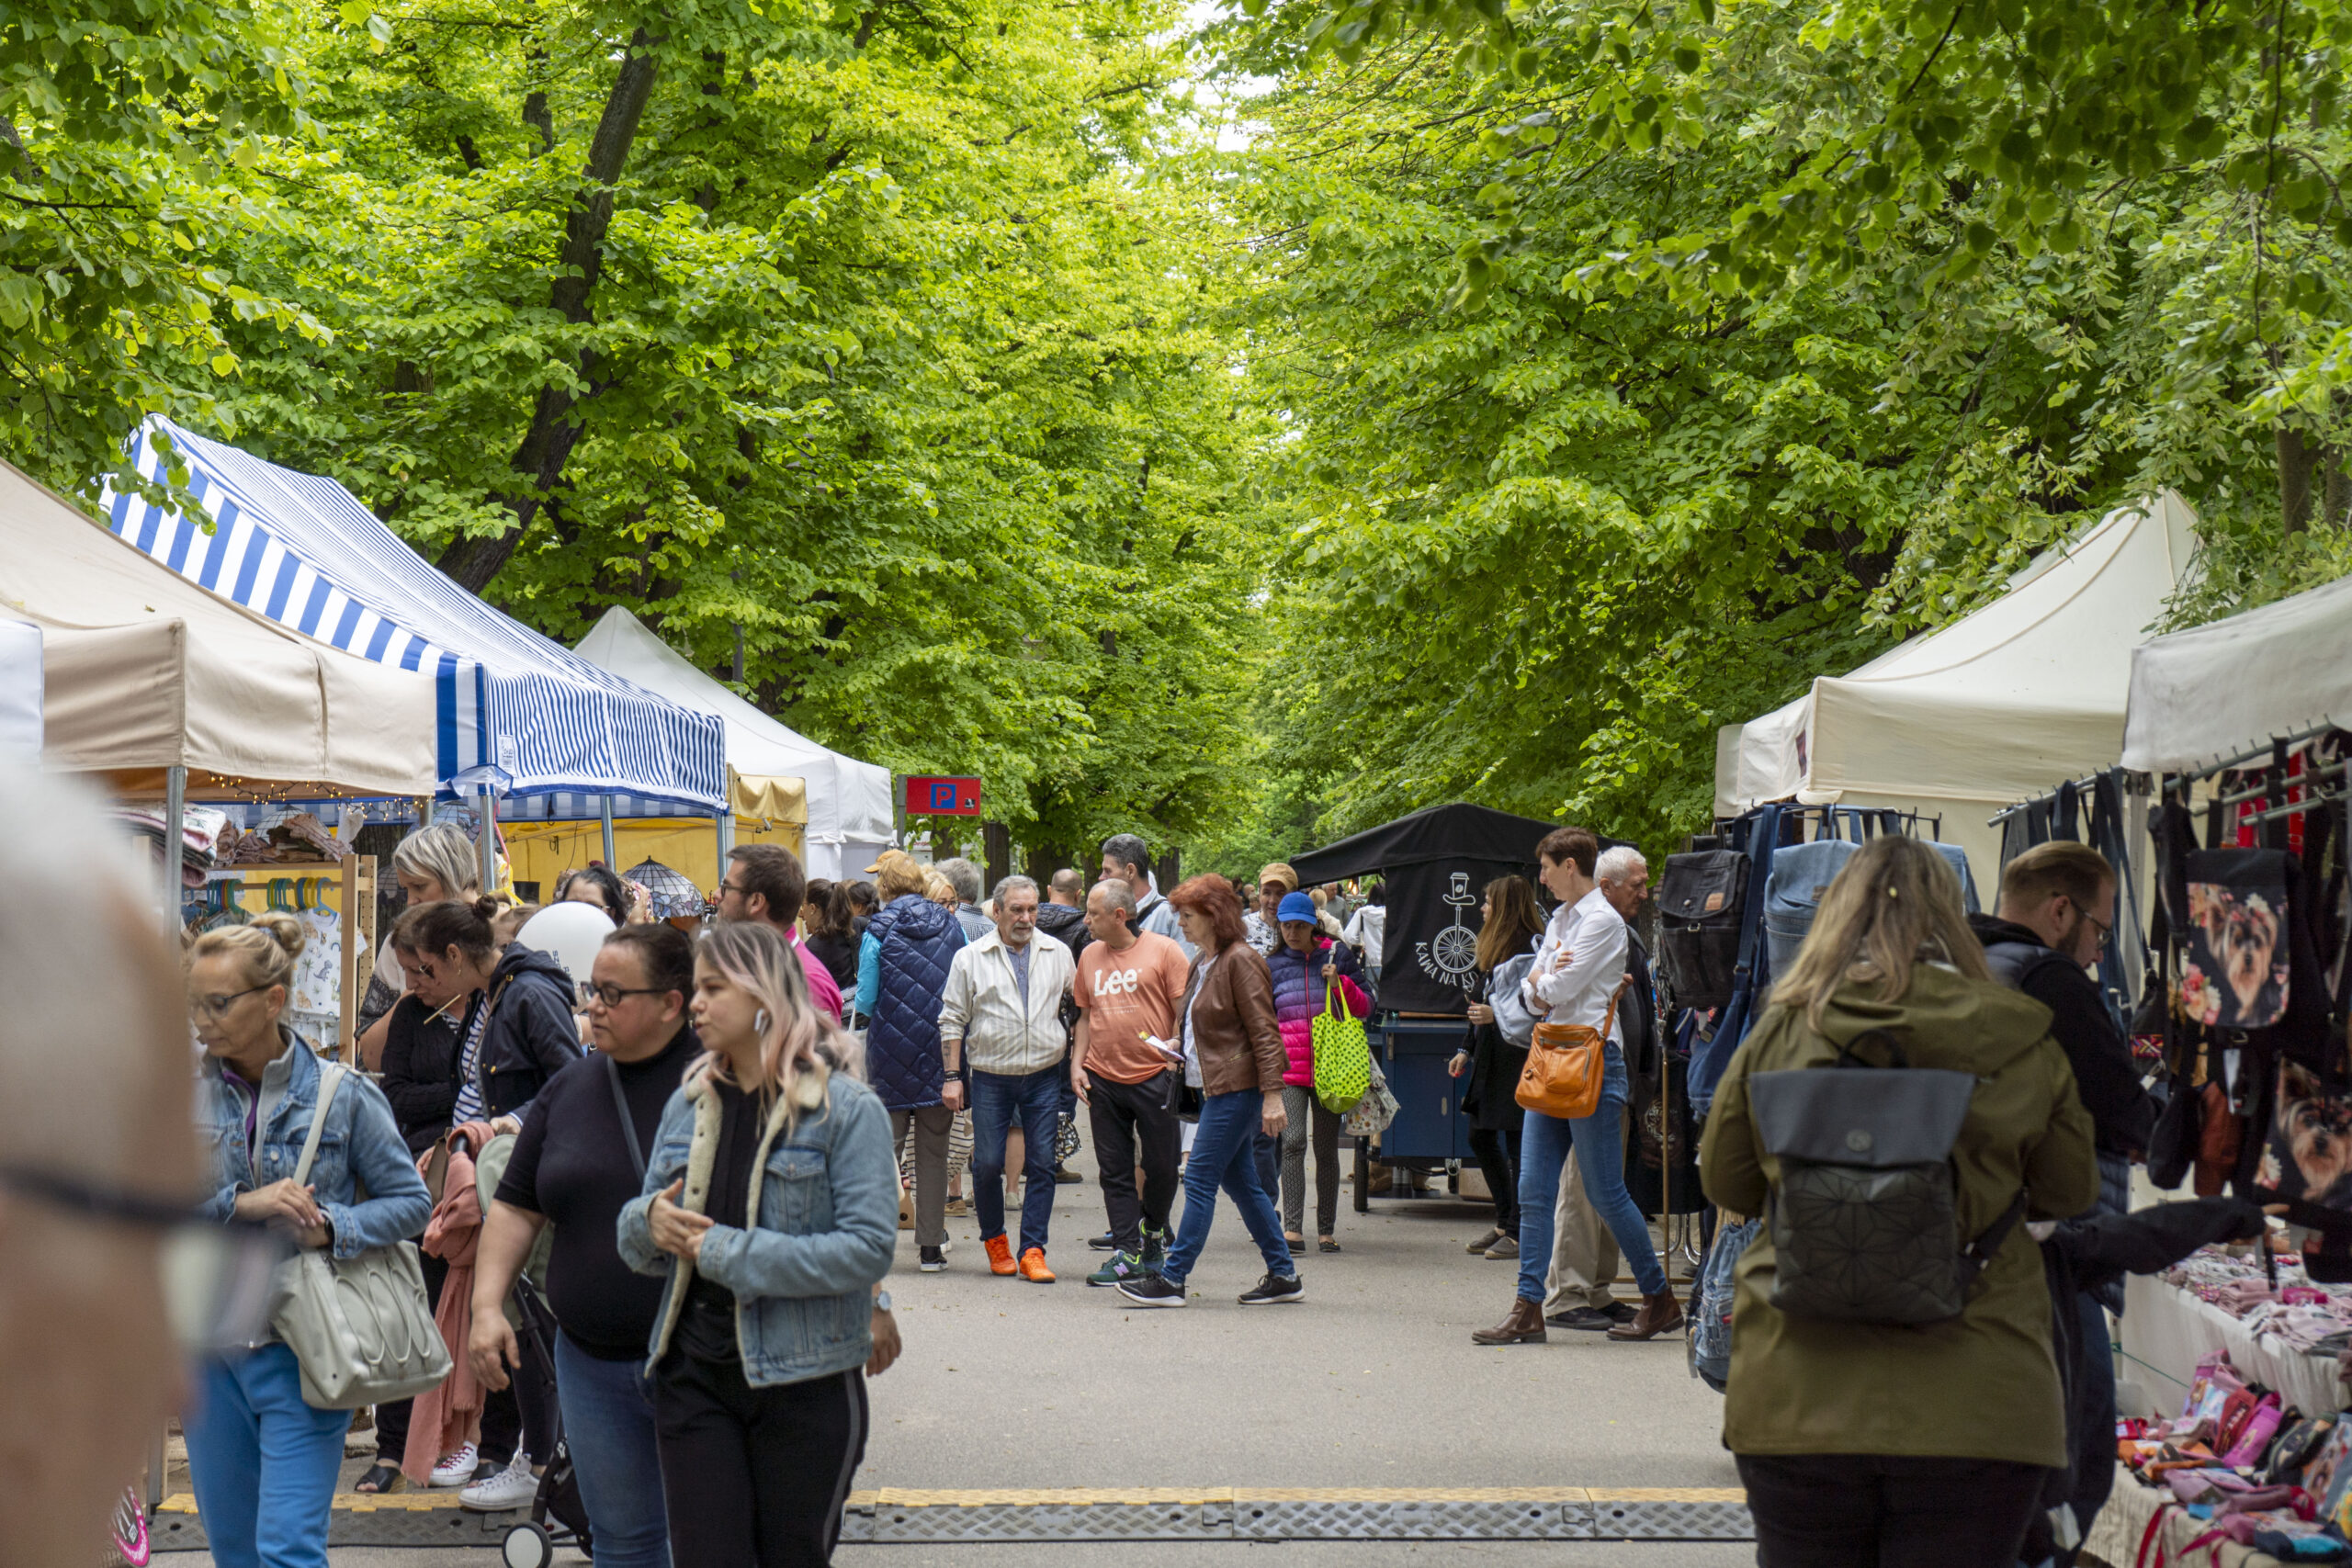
point(1233, 1055)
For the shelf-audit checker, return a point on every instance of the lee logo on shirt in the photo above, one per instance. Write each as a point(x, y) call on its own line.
point(1116, 983)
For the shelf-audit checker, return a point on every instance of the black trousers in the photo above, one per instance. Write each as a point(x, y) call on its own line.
point(754, 1477)
point(1496, 1151)
point(1135, 1124)
point(509, 1415)
point(1873, 1511)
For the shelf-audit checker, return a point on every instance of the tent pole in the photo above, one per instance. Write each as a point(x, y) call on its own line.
point(174, 834)
point(605, 803)
point(723, 821)
point(486, 841)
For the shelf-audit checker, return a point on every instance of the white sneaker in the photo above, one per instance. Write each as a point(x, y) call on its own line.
point(458, 1469)
point(512, 1487)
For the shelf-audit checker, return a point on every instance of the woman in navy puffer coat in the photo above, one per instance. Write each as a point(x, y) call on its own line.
point(902, 965)
point(1307, 967)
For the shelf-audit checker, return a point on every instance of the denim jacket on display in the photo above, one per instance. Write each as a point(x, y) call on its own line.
point(360, 1146)
point(825, 1191)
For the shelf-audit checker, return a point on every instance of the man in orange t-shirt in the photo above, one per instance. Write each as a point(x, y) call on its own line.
point(1127, 991)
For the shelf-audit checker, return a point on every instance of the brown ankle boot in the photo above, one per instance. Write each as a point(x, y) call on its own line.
point(1660, 1314)
point(1524, 1327)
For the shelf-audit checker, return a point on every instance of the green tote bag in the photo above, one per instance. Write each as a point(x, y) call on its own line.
point(1342, 1054)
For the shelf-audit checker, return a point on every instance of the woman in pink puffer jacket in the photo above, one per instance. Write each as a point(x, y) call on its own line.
point(1307, 967)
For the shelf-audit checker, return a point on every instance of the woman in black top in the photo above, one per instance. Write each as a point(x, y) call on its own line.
point(1496, 1051)
point(575, 1164)
point(830, 937)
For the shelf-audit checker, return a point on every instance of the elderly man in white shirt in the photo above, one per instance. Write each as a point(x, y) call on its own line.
point(1578, 969)
point(1002, 1015)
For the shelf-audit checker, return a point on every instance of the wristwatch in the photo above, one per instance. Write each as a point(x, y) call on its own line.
point(881, 1301)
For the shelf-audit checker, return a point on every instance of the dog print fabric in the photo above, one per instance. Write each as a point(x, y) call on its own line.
point(2308, 1156)
point(2235, 976)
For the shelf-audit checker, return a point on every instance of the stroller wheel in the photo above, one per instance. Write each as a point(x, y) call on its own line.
point(526, 1546)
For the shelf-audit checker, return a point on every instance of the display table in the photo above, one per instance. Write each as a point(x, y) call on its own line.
point(2166, 1332)
point(2114, 1539)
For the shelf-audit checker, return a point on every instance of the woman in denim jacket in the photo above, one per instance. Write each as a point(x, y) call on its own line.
point(772, 1200)
point(263, 1463)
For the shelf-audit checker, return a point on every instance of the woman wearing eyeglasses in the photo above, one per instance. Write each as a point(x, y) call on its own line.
point(262, 1461)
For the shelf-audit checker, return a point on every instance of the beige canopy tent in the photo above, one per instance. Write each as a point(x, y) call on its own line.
point(145, 673)
point(2003, 703)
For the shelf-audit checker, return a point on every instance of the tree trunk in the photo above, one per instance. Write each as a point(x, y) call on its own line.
point(2295, 455)
point(547, 446)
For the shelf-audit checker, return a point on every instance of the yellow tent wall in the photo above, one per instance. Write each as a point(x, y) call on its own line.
point(543, 852)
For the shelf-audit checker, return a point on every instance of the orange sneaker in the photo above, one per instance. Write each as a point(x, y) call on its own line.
point(999, 1254)
point(1033, 1267)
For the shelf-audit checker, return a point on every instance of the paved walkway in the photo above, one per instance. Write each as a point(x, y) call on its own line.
point(1370, 1383)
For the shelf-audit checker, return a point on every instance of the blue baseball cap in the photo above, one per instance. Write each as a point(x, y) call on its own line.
point(1297, 906)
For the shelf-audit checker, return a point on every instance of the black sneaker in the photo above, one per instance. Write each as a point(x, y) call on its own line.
point(1155, 1248)
point(933, 1261)
point(1274, 1290)
point(1106, 1242)
point(1152, 1290)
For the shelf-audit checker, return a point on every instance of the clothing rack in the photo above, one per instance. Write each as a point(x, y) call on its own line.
point(353, 882)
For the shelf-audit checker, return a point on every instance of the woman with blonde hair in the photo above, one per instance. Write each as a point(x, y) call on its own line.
point(771, 1201)
point(1904, 1444)
point(263, 1463)
point(433, 865)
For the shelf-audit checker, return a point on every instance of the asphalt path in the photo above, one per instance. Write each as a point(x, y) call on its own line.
point(1371, 1382)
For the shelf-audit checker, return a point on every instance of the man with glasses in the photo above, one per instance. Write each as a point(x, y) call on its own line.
point(764, 882)
point(2055, 916)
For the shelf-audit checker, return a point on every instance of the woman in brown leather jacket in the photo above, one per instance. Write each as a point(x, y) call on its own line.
point(1233, 1055)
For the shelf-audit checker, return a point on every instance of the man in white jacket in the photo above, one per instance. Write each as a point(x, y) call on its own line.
point(1002, 1015)
point(1578, 969)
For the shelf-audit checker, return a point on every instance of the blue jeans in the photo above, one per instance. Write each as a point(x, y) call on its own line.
point(1037, 1099)
point(263, 1463)
point(608, 1421)
point(1226, 1153)
point(1545, 1143)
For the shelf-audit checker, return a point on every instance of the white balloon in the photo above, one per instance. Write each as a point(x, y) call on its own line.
point(569, 933)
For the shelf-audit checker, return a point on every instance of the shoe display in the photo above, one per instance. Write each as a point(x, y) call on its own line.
point(1272, 1290)
point(512, 1487)
point(1153, 1291)
point(1033, 1267)
point(933, 1261)
point(999, 1254)
point(457, 1469)
point(1122, 1266)
point(1659, 1315)
point(1106, 1242)
point(1507, 1247)
point(1523, 1325)
point(1485, 1241)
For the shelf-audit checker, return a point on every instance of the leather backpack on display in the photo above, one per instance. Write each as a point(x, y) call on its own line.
point(1701, 898)
point(1864, 1218)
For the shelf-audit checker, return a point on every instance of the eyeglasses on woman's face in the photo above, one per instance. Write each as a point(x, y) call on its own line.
point(211, 1010)
point(609, 996)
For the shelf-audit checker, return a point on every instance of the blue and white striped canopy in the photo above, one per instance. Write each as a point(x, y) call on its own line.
point(304, 552)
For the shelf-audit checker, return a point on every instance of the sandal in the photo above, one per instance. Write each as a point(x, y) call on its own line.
point(1296, 1241)
point(382, 1479)
point(1327, 1244)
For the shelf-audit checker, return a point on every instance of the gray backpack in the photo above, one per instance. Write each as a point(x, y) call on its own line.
point(1864, 1220)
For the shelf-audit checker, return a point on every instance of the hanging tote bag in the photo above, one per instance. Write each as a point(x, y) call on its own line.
point(359, 1326)
point(1566, 1063)
point(1342, 1054)
point(1370, 1115)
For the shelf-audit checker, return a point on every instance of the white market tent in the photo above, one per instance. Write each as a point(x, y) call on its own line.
point(19, 691)
point(2003, 703)
point(849, 803)
point(143, 673)
point(2216, 691)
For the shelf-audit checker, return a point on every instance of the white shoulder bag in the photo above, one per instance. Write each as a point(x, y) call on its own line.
point(359, 1326)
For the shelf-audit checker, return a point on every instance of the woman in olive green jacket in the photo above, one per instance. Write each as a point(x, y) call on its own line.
point(1882, 1444)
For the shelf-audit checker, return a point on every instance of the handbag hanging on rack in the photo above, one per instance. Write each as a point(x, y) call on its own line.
point(359, 1327)
point(1567, 1063)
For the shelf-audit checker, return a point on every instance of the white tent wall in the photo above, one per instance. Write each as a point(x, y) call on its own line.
point(2221, 689)
point(20, 690)
point(849, 801)
point(2025, 693)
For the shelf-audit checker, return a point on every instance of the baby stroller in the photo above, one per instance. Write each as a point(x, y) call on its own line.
point(558, 1517)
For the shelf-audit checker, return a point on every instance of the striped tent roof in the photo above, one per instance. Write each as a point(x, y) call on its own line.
point(303, 551)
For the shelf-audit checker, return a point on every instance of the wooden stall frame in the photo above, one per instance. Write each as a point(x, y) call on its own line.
point(354, 879)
